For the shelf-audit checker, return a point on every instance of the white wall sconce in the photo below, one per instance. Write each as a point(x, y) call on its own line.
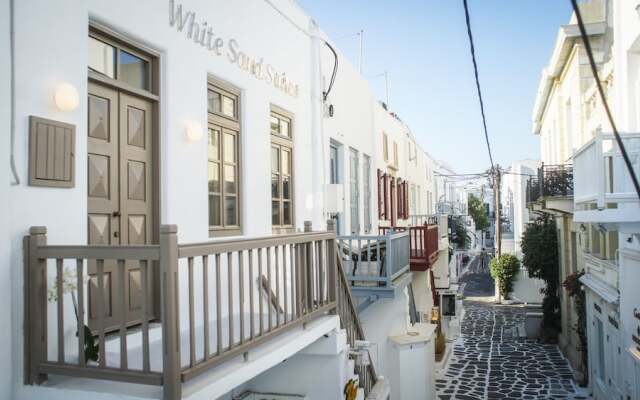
point(66, 97)
point(193, 131)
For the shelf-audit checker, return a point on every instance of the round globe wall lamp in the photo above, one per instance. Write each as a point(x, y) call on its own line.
point(66, 97)
point(193, 130)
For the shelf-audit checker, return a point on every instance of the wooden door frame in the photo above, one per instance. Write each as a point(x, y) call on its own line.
point(155, 58)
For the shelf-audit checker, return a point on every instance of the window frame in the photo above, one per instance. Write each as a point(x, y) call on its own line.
point(354, 195)
point(226, 124)
point(366, 180)
point(281, 142)
point(385, 146)
point(97, 33)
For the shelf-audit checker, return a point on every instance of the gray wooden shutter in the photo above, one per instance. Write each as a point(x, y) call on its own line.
point(51, 153)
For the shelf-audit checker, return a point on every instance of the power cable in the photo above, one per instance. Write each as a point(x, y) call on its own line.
point(475, 70)
point(594, 70)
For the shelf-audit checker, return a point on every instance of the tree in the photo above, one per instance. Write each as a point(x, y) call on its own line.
point(504, 270)
point(478, 212)
point(540, 258)
point(461, 234)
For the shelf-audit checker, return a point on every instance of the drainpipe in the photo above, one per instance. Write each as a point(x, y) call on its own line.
point(317, 129)
point(12, 95)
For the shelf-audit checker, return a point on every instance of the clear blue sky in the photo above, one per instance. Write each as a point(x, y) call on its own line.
point(424, 46)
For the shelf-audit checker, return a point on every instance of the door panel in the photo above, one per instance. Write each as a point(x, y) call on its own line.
point(120, 196)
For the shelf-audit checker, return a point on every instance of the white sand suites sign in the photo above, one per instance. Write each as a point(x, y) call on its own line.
point(202, 33)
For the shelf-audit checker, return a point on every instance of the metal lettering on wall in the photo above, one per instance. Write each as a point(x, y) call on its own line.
point(202, 33)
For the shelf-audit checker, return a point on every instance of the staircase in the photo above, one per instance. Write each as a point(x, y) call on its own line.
point(350, 322)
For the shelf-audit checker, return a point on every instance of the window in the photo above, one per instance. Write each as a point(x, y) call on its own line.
point(395, 154)
point(282, 217)
point(354, 191)
point(366, 176)
point(223, 162)
point(334, 177)
point(385, 146)
point(114, 60)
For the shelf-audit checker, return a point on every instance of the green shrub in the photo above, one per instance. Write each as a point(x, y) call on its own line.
point(541, 259)
point(504, 270)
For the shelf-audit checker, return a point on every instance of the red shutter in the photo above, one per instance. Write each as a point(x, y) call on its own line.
point(385, 183)
point(380, 203)
point(400, 211)
point(406, 200)
point(392, 195)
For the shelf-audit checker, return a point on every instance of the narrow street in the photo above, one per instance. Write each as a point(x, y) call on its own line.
point(491, 359)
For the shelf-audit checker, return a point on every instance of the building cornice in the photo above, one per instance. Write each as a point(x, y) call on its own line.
point(565, 41)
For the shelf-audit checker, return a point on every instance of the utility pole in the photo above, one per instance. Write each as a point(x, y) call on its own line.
point(360, 61)
point(496, 194)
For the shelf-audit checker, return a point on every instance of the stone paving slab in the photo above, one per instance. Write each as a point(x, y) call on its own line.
point(491, 360)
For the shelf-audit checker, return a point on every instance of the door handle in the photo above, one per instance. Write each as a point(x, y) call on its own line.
point(116, 214)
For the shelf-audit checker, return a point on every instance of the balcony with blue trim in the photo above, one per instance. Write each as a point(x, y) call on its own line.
point(376, 266)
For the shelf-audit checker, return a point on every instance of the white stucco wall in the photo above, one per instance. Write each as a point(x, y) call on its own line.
point(6, 360)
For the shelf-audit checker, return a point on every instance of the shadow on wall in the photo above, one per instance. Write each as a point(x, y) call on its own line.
point(527, 289)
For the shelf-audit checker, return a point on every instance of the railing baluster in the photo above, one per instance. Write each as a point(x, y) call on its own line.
point(277, 305)
point(123, 315)
point(241, 290)
point(316, 284)
point(230, 290)
point(205, 304)
point(80, 317)
point(284, 279)
point(192, 316)
point(218, 307)
point(100, 303)
point(144, 283)
point(60, 302)
point(260, 296)
point(268, 288)
point(251, 299)
point(294, 287)
point(321, 301)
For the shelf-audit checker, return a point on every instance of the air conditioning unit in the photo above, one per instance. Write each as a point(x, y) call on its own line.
point(334, 198)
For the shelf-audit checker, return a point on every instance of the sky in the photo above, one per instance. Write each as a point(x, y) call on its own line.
point(424, 46)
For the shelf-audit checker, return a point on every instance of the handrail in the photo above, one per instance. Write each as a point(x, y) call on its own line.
point(96, 252)
point(351, 323)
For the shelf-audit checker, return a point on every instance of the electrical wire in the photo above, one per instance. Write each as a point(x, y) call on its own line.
point(475, 70)
point(594, 70)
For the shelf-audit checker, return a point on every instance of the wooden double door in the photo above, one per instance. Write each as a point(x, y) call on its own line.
point(120, 177)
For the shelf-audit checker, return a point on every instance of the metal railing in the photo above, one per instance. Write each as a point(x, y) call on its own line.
point(374, 261)
point(421, 219)
point(350, 322)
point(224, 313)
point(533, 190)
point(557, 180)
point(424, 243)
point(601, 176)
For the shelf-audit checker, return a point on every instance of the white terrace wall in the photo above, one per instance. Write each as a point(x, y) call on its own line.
point(350, 127)
point(51, 43)
point(6, 363)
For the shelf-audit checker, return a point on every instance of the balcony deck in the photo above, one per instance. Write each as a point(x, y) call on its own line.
point(424, 244)
point(375, 265)
point(604, 191)
point(552, 189)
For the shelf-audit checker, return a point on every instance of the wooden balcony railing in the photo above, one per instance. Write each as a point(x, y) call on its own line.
point(374, 262)
point(213, 308)
point(423, 244)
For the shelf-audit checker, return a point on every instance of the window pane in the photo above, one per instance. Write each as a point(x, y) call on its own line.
point(102, 57)
point(275, 124)
point(213, 101)
point(214, 177)
point(286, 162)
point(214, 144)
point(284, 128)
point(214, 210)
point(230, 185)
point(275, 212)
point(286, 187)
point(275, 191)
point(134, 70)
point(228, 106)
point(275, 159)
point(229, 148)
point(286, 213)
point(230, 207)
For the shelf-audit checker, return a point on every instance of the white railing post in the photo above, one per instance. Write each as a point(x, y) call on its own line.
point(332, 276)
point(600, 171)
point(35, 335)
point(172, 389)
